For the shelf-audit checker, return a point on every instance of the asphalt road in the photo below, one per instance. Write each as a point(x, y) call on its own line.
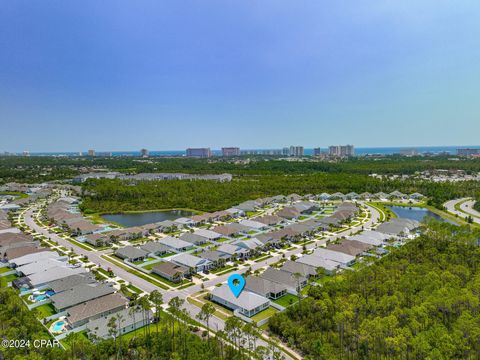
point(466, 209)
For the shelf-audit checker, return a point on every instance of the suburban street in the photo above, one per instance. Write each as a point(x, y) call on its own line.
point(215, 322)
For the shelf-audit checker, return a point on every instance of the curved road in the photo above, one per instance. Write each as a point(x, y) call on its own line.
point(466, 208)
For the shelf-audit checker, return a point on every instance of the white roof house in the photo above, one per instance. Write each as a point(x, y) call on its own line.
point(39, 279)
point(247, 303)
point(42, 265)
point(184, 221)
point(374, 238)
point(250, 244)
point(211, 235)
point(318, 262)
point(191, 261)
point(27, 259)
point(339, 257)
point(175, 243)
point(253, 224)
point(232, 250)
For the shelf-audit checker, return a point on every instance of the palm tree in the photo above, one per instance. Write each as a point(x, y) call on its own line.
point(297, 277)
point(145, 305)
point(120, 321)
point(204, 315)
point(132, 311)
point(157, 300)
point(112, 331)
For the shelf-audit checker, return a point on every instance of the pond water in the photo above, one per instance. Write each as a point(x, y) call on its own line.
point(416, 213)
point(142, 218)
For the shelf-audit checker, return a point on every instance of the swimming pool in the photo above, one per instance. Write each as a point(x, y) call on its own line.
point(40, 297)
point(58, 326)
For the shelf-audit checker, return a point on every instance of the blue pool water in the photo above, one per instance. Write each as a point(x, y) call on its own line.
point(58, 326)
point(40, 297)
point(50, 293)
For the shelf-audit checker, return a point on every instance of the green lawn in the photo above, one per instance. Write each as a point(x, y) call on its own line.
point(9, 278)
point(265, 314)
point(167, 254)
point(5, 269)
point(222, 240)
point(222, 269)
point(263, 258)
point(151, 266)
point(286, 300)
point(45, 311)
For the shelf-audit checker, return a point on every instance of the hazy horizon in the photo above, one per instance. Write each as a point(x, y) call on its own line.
point(119, 75)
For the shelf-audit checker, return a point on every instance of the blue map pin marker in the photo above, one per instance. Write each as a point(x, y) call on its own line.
point(236, 283)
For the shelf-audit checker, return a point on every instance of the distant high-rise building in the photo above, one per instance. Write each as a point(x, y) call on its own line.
point(144, 153)
point(296, 151)
point(468, 152)
point(286, 151)
point(341, 150)
point(408, 152)
point(230, 151)
point(26, 153)
point(199, 152)
point(317, 152)
point(91, 152)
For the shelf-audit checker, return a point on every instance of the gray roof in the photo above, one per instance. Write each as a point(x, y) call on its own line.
point(68, 282)
point(193, 238)
point(293, 267)
point(336, 256)
point(174, 243)
point(189, 260)
point(231, 249)
point(52, 274)
point(42, 265)
point(154, 247)
point(246, 300)
point(80, 293)
point(397, 226)
point(214, 255)
point(208, 234)
point(282, 277)
point(130, 252)
point(95, 307)
point(263, 286)
point(318, 262)
point(169, 268)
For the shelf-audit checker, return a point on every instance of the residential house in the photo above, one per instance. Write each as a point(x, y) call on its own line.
point(175, 243)
point(291, 281)
point(293, 267)
point(155, 248)
point(247, 303)
point(79, 294)
point(80, 314)
point(171, 271)
point(131, 253)
point(197, 264)
point(264, 287)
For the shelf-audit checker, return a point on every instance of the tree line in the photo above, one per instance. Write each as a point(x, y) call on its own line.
point(107, 195)
point(422, 301)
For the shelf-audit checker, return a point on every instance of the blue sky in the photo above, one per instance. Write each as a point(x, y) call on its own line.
point(121, 75)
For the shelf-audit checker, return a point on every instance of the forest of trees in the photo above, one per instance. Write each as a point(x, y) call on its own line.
point(115, 195)
point(422, 301)
point(37, 168)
